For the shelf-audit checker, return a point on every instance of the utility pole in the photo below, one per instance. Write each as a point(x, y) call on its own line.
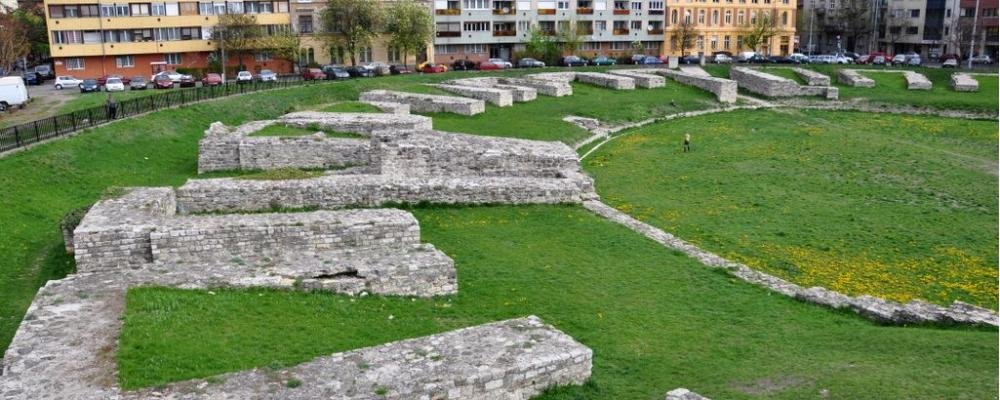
point(812, 13)
point(873, 43)
point(972, 40)
point(222, 46)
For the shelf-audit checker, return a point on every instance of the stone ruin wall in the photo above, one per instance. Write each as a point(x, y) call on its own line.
point(724, 89)
point(114, 234)
point(853, 78)
point(775, 86)
point(427, 102)
point(964, 83)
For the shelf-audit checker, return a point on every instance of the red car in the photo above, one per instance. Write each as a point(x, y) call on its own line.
point(104, 79)
point(433, 68)
point(313, 74)
point(488, 66)
point(162, 82)
point(211, 80)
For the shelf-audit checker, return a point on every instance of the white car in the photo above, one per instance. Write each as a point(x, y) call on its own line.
point(842, 59)
point(722, 59)
point(950, 63)
point(267, 75)
point(114, 85)
point(982, 59)
point(173, 75)
point(898, 59)
point(244, 76)
point(67, 81)
point(501, 62)
point(378, 68)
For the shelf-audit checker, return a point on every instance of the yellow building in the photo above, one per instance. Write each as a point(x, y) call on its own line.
point(720, 25)
point(88, 38)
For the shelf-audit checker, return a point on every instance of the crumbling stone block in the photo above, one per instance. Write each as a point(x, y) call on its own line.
point(428, 102)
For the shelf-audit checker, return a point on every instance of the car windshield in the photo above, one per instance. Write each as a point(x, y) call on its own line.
point(114, 81)
point(244, 73)
point(266, 72)
point(90, 81)
point(138, 78)
point(162, 78)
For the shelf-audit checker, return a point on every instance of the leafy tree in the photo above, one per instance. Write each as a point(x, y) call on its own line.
point(32, 19)
point(283, 44)
point(570, 38)
point(543, 46)
point(13, 39)
point(410, 27)
point(759, 32)
point(352, 24)
point(238, 34)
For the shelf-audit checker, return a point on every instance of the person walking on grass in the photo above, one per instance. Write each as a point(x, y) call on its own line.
point(112, 107)
point(687, 142)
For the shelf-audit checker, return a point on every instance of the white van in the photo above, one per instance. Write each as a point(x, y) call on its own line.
point(13, 92)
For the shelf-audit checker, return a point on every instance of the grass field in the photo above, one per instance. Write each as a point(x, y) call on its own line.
point(898, 207)
point(655, 319)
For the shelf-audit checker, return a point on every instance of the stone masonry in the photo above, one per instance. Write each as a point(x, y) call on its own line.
point(917, 81)
point(811, 77)
point(497, 97)
point(775, 86)
point(390, 107)
point(853, 78)
point(642, 77)
point(426, 102)
point(724, 89)
point(114, 234)
point(520, 94)
point(616, 82)
point(964, 83)
point(548, 88)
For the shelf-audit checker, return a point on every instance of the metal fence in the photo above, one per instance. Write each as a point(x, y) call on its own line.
point(18, 136)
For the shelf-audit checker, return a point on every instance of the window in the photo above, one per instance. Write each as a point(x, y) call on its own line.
point(947, 13)
point(168, 34)
point(220, 7)
point(700, 42)
point(75, 64)
point(620, 45)
point(729, 17)
point(394, 55)
point(636, 6)
point(562, 5)
point(523, 26)
point(189, 8)
point(475, 48)
point(725, 42)
point(140, 9)
point(476, 4)
point(172, 58)
point(158, 9)
point(637, 26)
point(687, 17)
point(590, 46)
point(476, 26)
point(701, 17)
point(715, 17)
point(445, 49)
point(190, 33)
point(912, 30)
point(262, 56)
point(656, 5)
point(740, 18)
point(915, 13)
point(206, 9)
point(56, 12)
point(753, 17)
point(124, 61)
point(650, 46)
point(784, 18)
point(714, 42)
point(67, 37)
point(141, 35)
point(121, 10)
point(172, 10)
point(600, 26)
point(739, 42)
point(234, 7)
point(305, 23)
point(673, 16)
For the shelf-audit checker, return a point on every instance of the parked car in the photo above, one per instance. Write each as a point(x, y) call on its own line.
point(779, 60)
point(431, 68)
point(173, 75)
point(89, 85)
point(573, 61)
point(863, 59)
point(187, 81)
point(722, 58)
point(312, 74)
point(798, 58)
point(114, 85)
point(602, 60)
point(898, 59)
point(379, 68)
point(266, 75)
point(360, 72)
point(104, 79)
point(842, 59)
point(650, 60)
point(211, 80)
point(45, 71)
point(400, 69)
point(950, 63)
point(690, 59)
point(463, 65)
point(982, 59)
point(244, 77)
point(878, 60)
point(943, 58)
point(488, 66)
point(13, 92)
point(162, 82)
point(501, 62)
point(822, 59)
point(32, 78)
point(914, 60)
point(333, 72)
point(529, 62)
point(65, 81)
point(137, 83)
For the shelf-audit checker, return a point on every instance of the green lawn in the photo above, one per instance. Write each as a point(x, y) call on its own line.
point(351, 106)
point(901, 207)
point(82, 101)
point(655, 319)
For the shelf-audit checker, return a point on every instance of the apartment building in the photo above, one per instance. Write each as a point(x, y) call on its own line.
point(307, 22)
point(986, 25)
point(925, 27)
point(91, 39)
point(827, 24)
point(720, 25)
point(480, 29)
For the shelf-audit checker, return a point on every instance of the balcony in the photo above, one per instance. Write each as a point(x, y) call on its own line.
point(504, 11)
point(505, 33)
point(550, 11)
point(655, 31)
point(449, 34)
point(584, 31)
point(619, 11)
point(619, 31)
point(655, 12)
point(585, 10)
point(547, 32)
point(448, 11)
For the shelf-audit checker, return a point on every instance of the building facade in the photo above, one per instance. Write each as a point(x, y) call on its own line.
point(720, 25)
point(986, 26)
point(829, 26)
point(477, 30)
point(89, 39)
point(926, 27)
point(307, 22)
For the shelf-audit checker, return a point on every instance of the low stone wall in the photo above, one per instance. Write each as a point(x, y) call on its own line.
point(917, 81)
point(520, 94)
point(390, 107)
point(853, 78)
point(359, 123)
point(114, 234)
point(607, 80)
point(724, 89)
point(434, 153)
point(427, 102)
point(770, 85)
point(641, 77)
point(338, 191)
point(563, 77)
point(811, 77)
point(513, 359)
point(497, 97)
point(548, 88)
point(306, 152)
point(964, 83)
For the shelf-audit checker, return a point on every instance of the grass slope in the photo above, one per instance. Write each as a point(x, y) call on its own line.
point(655, 319)
point(896, 206)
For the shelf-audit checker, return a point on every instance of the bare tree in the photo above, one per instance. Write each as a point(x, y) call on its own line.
point(352, 24)
point(896, 22)
point(851, 20)
point(960, 35)
point(685, 36)
point(13, 39)
point(759, 31)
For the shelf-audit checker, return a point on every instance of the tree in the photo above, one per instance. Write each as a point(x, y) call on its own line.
point(570, 38)
point(237, 34)
point(410, 27)
point(759, 31)
point(685, 36)
point(32, 19)
point(960, 35)
point(13, 39)
point(283, 44)
point(852, 21)
point(541, 45)
point(351, 24)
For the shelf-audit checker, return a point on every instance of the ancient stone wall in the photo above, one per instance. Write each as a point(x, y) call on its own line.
point(554, 89)
point(520, 94)
point(724, 89)
point(775, 86)
point(305, 152)
point(643, 78)
point(360, 123)
point(390, 107)
point(811, 77)
point(497, 97)
point(964, 83)
point(917, 81)
point(115, 232)
point(427, 102)
point(853, 78)
point(616, 82)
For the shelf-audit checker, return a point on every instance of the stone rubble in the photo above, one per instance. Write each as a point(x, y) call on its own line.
point(811, 77)
point(427, 103)
point(390, 107)
point(684, 394)
point(854, 78)
point(770, 85)
point(495, 96)
point(724, 89)
point(642, 77)
point(917, 81)
point(880, 310)
point(964, 83)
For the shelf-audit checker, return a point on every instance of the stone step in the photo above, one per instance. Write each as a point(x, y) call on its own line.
point(512, 359)
point(427, 102)
point(724, 89)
